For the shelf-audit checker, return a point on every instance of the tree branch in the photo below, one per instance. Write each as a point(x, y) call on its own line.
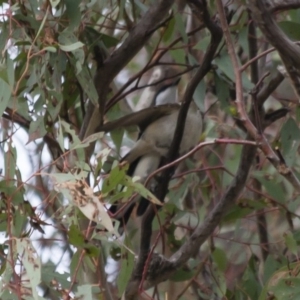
point(106, 72)
point(268, 89)
point(283, 169)
point(279, 5)
point(161, 268)
point(288, 51)
point(52, 144)
point(201, 11)
point(258, 114)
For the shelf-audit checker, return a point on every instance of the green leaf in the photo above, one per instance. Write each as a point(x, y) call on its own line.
point(243, 39)
point(178, 55)
point(71, 47)
point(49, 274)
point(87, 291)
point(203, 43)
point(274, 189)
point(86, 82)
point(31, 262)
point(54, 109)
point(117, 137)
point(63, 177)
point(60, 138)
point(219, 257)
point(34, 6)
point(10, 72)
point(182, 275)
point(4, 34)
point(287, 288)
point(5, 94)
point(50, 48)
point(240, 211)
point(10, 157)
point(250, 283)
point(291, 29)
point(127, 264)
point(76, 143)
point(68, 41)
point(42, 24)
point(294, 14)
point(115, 252)
point(271, 265)
point(73, 13)
point(3, 221)
point(116, 176)
point(108, 41)
point(76, 237)
point(180, 26)
point(54, 3)
point(92, 250)
point(290, 139)
point(140, 188)
point(90, 139)
point(75, 262)
point(36, 129)
point(282, 284)
point(3, 265)
point(94, 37)
point(199, 95)
point(223, 62)
point(141, 6)
point(19, 222)
point(296, 236)
point(169, 31)
point(219, 286)
point(290, 242)
point(222, 89)
point(87, 261)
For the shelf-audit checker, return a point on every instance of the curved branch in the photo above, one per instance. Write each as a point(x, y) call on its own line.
point(201, 11)
point(161, 268)
point(283, 169)
point(106, 72)
point(288, 51)
point(279, 5)
point(53, 145)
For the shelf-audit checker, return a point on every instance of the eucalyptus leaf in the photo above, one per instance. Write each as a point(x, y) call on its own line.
point(291, 29)
point(126, 268)
point(71, 47)
point(31, 263)
point(223, 62)
point(37, 129)
point(5, 95)
point(54, 3)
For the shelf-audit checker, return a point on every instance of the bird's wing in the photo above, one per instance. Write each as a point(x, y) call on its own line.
point(141, 118)
point(140, 148)
point(146, 165)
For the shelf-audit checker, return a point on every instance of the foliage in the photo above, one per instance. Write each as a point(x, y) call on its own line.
point(51, 54)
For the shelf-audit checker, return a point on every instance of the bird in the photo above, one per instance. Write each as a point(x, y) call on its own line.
point(157, 127)
point(162, 88)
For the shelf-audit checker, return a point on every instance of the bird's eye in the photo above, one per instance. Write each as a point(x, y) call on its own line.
point(156, 74)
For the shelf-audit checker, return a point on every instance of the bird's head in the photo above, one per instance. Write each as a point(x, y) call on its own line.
point(162, 87)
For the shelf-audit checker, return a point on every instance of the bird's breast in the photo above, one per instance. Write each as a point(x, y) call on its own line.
point(160, 133)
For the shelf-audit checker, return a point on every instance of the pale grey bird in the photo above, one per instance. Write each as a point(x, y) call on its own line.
point(162, 88)
point(156, 116)
point(157, 126)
